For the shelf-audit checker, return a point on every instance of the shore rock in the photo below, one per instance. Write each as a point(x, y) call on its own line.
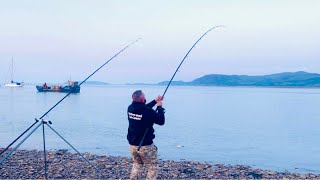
point(29, 164)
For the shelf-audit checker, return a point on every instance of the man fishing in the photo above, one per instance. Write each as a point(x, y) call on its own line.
point(141, 118)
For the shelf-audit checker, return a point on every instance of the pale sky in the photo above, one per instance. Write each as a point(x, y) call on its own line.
point(53, 40)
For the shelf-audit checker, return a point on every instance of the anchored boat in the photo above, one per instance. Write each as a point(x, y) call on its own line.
point(72, 87)
point(12, 83)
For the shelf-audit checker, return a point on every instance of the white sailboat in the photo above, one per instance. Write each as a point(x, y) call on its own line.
point(12, 83)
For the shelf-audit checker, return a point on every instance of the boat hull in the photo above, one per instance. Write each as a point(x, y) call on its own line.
point(14, 85)
point(65, 89)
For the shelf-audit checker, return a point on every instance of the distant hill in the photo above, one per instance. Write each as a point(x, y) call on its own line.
point(287, 79)
point(96, 83)
point(176, 83)
point(140, 84)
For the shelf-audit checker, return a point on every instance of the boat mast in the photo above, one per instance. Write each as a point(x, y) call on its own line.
point(12, 69)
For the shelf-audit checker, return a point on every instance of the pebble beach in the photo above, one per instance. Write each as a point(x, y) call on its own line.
point(62, 164)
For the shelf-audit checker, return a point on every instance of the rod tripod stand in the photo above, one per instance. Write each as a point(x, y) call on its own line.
point(48, 124)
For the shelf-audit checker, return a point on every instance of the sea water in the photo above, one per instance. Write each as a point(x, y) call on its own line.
point(269, 128)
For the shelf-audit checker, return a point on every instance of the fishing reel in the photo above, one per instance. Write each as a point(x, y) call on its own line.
point(43, 121)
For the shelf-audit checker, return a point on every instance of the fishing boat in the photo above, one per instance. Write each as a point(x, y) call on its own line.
point(72, 87)
point(12, 83)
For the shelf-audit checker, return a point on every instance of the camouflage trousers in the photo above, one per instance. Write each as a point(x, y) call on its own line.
point(146, 156)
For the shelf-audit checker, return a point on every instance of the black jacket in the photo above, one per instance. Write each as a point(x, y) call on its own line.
point(141, 116)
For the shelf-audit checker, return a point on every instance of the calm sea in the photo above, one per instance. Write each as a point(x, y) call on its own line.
point(271, 128)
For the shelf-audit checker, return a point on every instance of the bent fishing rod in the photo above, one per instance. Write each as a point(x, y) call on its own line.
point(54, 106)
point(165, 91)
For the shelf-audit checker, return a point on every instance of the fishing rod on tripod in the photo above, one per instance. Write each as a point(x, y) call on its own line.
point(46, 113)
point(165, 91)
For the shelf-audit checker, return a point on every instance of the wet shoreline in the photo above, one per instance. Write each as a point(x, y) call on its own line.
point(62, 164)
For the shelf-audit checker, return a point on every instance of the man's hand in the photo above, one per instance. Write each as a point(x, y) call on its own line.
point(159, 103)
point(159, 98)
